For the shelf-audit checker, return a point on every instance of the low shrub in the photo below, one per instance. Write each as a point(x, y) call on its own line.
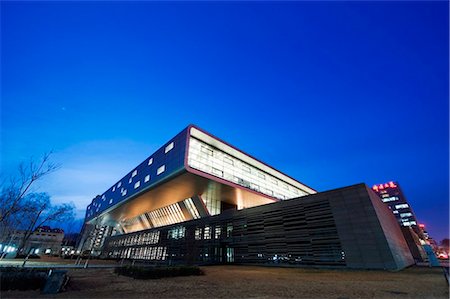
point(32, 256)
point(12, 278)
point(157, 272)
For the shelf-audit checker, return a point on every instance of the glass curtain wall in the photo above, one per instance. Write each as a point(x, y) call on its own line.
point(213, 161)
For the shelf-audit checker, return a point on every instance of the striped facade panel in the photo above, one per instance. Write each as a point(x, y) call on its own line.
point(339, 228)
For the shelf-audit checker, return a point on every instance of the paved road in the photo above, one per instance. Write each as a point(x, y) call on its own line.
point(60, 264)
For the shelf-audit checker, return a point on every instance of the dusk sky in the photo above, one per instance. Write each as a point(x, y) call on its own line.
point(331, 93)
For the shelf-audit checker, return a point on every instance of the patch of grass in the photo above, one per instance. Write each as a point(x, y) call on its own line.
point(12, 278)
point(157, 272)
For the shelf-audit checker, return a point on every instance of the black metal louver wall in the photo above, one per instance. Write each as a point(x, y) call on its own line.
point(296, 232)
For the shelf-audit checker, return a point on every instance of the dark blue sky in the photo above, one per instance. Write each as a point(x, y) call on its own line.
point(332, 93)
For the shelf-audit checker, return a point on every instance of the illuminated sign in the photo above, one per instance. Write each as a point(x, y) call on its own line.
point(422, 225)
point(384, 186)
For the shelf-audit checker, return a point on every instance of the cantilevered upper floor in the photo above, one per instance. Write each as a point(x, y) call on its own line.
point(193, 164)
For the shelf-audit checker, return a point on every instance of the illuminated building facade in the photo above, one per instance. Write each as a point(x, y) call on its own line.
point(194, 175)
point(392, 195)
point(200, 200)
point(43, 241)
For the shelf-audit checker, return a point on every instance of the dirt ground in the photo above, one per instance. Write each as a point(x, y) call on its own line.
point(256, 282)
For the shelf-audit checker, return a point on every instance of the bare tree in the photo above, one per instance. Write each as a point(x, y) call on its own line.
point(38, 211)
point(14, 192)
point(20, 208)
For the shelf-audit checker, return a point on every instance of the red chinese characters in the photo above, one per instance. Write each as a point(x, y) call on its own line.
point(379, 187)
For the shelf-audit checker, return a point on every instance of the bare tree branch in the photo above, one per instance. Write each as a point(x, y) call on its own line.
point(14, 193)
point(24, 211)
point(40, 212)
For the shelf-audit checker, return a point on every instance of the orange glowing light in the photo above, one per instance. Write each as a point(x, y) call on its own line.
point(392, 185)
point(379, 187)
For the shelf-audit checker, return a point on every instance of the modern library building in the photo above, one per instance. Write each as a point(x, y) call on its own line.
point(199, 200)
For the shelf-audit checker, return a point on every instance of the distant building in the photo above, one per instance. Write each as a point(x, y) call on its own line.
point(69, 242)
point(43, 241)
point(200, 200)
point(391, 194)
point(70, 239)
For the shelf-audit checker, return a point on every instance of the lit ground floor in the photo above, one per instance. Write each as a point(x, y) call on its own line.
point(257, 282)
point(347, 227)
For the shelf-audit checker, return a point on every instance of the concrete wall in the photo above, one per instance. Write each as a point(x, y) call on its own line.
point(370, 235)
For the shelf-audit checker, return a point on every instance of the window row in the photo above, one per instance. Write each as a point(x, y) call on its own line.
point(216, 162)
point(124, 191)
point(388, 199)
point(134, 173)
point(141, 253)
point(402, 206)
point(139, 239)
point(176, 233)
point(212, 232)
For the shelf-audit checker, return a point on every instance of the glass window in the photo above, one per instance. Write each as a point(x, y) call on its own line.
point(254, 187)
point(245, 168)
point(261, 175)
point(134, 173)
point(161, 169)
point(217, 172)
point(168, 148)
point(150, 161)
point(218, 231)
point(206, 150)
point(137, 184)
point(176, 232)
point(119, 184)
point(147, 178)
point(198, 233)
point(207, 233)
point(388, 199)
point(402, 206)
point(229, 229)
point(228, 160)
point(110, 201)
